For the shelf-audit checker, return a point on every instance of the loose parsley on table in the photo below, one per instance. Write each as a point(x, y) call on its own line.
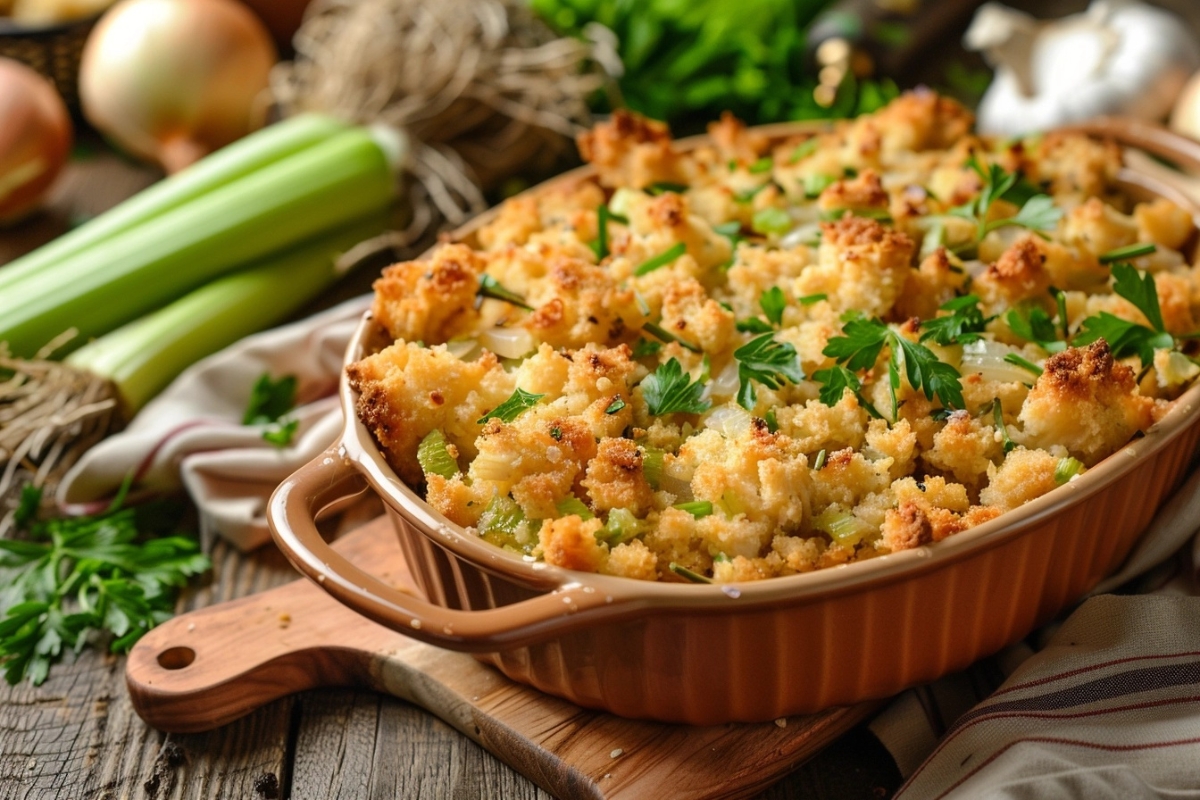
point(269, 403)
point(77, 580)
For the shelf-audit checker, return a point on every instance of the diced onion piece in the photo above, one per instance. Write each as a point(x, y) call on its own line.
point(987, 359)
point(623, 200)
point(1176, 369)
point(508, 342)
point(434, 456)
point(725, 384)
point(462, 348)
point(808, 234)
point(731, 421)
point(842, 526)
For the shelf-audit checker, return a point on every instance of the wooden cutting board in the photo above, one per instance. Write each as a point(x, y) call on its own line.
point(208, 667)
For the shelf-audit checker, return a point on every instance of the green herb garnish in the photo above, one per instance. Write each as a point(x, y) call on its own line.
point(684, 572)
point(78, 576)
point(768, 362)
point(771, 220)
point(615, 406)
point(1023, 363)
point(763, 164)
point(815, 184)
point(697, 508)
point(962, 325)
point(1038, 213)
point(490, 287)
point(662, 187)
point(669, 389)
point(660, 260)
point(1066, 469)
point(572, 505)
point(998, 417)
point(753, 325)
point(513, 407)
point(645, 347)
point(835, 381)
point(810, 299)
point(270, 401)
point(1128, 338)
point(804, 150)
point(1128, 252)
point(1037, 327)
point(773, 302)
point(662, 334)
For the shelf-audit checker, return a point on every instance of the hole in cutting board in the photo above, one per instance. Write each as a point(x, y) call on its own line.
point(176, 658)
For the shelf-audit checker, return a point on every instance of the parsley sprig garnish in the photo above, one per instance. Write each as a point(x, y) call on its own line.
point(270, 401)
point(513, 407)
point(773, 302)
point(74, 581)
point(962, 325)
point(669, 389)
point(1038, 327)
point(768, 362)
point(858, 349)
point(1038, 212)
point(1128, 338)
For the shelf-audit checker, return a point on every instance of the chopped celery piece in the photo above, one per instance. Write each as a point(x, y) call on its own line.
point(434, 456)
point(684, 572)
point(842, 526)
point(1067, 468)
point(621, 526)
point(503, 524)
point(573, 505)
point(652, 465)
point(731, 505)
point(697, 508)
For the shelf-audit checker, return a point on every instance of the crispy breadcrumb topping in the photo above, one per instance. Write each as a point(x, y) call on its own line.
point(766, 356)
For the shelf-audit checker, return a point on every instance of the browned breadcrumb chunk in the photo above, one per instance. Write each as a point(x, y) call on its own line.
point(570, 542)
point(1017, 275)
point(630, 150)
point(907, 527)
point(615, 479)
point(862, 192)
point(429, 300)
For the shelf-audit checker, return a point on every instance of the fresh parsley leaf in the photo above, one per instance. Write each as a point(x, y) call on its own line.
point(859, 345)
point(834, 214)
point(270, 400)
point(615, 406)
point(771, 220)
point(513, 407)
point(730, 230)
point(1127, 252)
point(75, 577)
point(810, 299)
point(768, 362)
point(925, 372)
point(490, 287)
point(1139, 289)
point(1036, 327)
point(817, 183)
point(773, 302)
point(835, 381)
point(645, 347)
point(962, 325)
point(748, 195)
point(27, 506)
point(282, 433)
point(661, 260)
point(1037, 213)
point(753, 325)
point(669, 389)
point(804, 150)
point(1124, 338)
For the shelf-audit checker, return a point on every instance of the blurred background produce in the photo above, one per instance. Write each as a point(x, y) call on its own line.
point(35, 137)
point(172, 80)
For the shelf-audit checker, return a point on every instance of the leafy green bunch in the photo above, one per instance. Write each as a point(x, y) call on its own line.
point(75, 580)
point(1037, 210)
point(689, 60)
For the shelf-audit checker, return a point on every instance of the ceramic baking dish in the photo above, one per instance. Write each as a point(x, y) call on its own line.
point(706, 654)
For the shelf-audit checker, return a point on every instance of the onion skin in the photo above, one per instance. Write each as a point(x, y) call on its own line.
point(35, 139)
point(172, 80)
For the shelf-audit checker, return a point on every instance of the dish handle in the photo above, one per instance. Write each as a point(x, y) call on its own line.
point(329, 480)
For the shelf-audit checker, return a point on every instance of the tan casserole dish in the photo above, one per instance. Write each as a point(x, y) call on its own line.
point(706, 654)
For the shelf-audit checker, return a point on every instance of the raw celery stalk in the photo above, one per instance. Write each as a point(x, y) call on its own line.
point(239, 159)
point(142, 357)
point(133, 273)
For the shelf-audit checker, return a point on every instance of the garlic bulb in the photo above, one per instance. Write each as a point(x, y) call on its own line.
point(35, 138)
point(172, 80)
point(1118, 57)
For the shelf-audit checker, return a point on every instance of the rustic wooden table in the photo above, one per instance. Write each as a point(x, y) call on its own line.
point(76, 737)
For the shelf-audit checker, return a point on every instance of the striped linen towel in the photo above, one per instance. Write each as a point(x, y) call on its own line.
point(1105, 705)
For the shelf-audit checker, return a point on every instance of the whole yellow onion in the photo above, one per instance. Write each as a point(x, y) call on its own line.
point(173, 80)
point(35, 138)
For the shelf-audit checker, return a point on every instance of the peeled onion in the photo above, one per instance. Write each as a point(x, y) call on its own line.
point(172, 80)
point(508, 342)
point(35, 138)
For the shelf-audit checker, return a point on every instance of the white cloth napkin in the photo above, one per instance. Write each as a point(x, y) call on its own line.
point(192, 434)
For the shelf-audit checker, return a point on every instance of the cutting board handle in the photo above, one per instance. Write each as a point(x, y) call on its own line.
point(327, 479)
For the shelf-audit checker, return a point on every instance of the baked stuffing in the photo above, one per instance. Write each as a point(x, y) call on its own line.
point(764, 357)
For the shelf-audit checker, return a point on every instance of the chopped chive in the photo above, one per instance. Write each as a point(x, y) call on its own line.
point(804, 150)
point(652, 465)
point(764, 164)
point(661, 260)
point(615, 406)
point(729, 230)
point(820, 462)
point(809, 299)
point(556, 433)
point(753, 325)
point(490, 287)
point(941, 414)
point(1067, 468)
point(834, 214)
point(684, 572)
point(661, 187)
point(645, 347)
point(642, 305)
point(772, 421)
point(1128, 252)
point(600, 246)
point(815, 184)
point(1013, 358)
point(1060, 300)
point(697, 508)
point(663, 335)
point(998, 416)
point(748, 195)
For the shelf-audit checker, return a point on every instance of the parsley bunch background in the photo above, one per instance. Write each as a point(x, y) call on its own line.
point(80, 580)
